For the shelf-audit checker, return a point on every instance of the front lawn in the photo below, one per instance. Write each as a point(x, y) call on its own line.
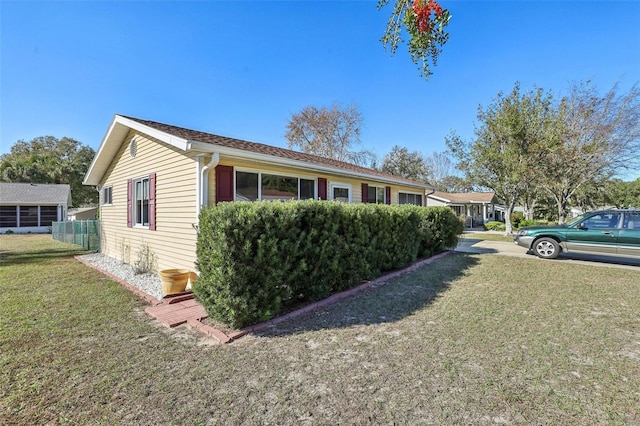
point(487, 236)
point(469, 339)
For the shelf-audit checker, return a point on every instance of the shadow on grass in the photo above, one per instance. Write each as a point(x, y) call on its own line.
point(37, 256)
point(468, 245)
point(391, 301)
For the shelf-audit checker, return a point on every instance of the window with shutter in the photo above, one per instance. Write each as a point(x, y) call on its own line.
point(141, 202)
point(224, 183)
point(322, 188)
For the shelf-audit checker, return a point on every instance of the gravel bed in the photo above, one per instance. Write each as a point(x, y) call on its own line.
point(149, 283)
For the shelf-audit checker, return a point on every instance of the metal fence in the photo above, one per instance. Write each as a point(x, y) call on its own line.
point(84, 233)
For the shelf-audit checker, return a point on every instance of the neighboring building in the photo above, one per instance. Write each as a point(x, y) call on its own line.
point(83, 213)
point(154, 179)
point(31, 208)
point(478, 208)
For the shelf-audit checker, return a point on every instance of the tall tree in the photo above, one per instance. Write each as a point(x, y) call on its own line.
point(453, 183)
point(46, 159)
point(599, 136)
point(425, 22)
point(329, 132)
point(440, 167)
point(400, 162)
point(507, 150)
point(622, 194)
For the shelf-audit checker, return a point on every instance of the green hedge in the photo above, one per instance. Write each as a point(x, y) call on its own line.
point(530, 222)
point(257, 259)
point(494, 226)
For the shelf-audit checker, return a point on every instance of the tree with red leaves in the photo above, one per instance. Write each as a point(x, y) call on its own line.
point(425, 22)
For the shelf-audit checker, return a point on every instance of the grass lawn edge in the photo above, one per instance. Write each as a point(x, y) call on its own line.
point(230, 337)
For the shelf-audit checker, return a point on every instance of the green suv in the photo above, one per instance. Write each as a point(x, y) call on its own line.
point(613, 232)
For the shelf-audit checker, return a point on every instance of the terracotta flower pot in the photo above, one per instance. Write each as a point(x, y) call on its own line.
point(174, 280)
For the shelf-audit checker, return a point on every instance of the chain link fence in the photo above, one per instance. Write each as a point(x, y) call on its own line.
point(84, 233)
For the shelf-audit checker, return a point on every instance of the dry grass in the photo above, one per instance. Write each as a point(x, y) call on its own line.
point(470, 339)
point(488, 236)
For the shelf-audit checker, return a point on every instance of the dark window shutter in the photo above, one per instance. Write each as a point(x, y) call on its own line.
point(224, 183)
point(322, 189)
point(129, 203)
point(152, 201)
point(365, 193)
point(387, 191)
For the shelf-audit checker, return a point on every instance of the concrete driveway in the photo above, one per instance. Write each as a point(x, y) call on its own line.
point(469, 244)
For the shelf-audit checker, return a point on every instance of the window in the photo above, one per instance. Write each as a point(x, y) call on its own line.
point(107, 195)
point(141, 201)
point(341, 192)
point(272, 187)
point(458, 209)
point(8, 216)
point(307, 189)
point(631, 220)
point(48, 215)
point(602, 221)
point(246, 186)
point(409, 198)
point(28, 216)
point(376, 195)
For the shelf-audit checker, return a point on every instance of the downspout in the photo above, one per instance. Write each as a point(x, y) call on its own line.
point(199, 158)
point(99, 189)
point(426, 196)
point(203, 184)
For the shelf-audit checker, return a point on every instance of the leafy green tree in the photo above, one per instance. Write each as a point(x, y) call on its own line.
point(401, 162)
point(622, 194)
point(46, 159)
point(597, 137)
point(506, 152)
point(588, 197)
point(329, 132)
point(453, 183)
point(424, 21)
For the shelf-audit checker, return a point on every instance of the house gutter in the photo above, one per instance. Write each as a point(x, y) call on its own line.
point(202, 180)
point(270, 159)
point(215, 159)
point(426, 196)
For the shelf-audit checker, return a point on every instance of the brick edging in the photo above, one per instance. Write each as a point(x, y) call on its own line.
point(228, 338)
point(335, 297)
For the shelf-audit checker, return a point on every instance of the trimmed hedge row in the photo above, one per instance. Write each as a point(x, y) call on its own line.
point(257, 259)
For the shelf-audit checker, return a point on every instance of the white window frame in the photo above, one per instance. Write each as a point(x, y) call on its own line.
point(260, 172)
point(110, 188)
point(384, 194)
point(134, 202)
point(413, 193)
point(341, 185)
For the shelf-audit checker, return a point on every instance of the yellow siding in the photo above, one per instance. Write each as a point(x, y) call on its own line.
point(174, 240)
point(356, 184)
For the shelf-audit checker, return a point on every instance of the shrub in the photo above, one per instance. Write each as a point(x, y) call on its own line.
point(531, 222)
point(495, 226)
point(516, 217)
point(258, 258)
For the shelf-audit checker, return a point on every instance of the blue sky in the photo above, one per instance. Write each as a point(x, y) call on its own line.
point(241, 68)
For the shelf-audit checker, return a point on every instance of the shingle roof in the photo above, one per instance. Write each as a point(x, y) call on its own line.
point(33, 194)
point(466, 197)
point(198, 136)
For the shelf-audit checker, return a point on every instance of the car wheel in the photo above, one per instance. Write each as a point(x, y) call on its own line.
point(546, 248)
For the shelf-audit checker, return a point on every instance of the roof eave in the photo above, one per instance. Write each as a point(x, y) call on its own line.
point(113, 139)
point(272, 159)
